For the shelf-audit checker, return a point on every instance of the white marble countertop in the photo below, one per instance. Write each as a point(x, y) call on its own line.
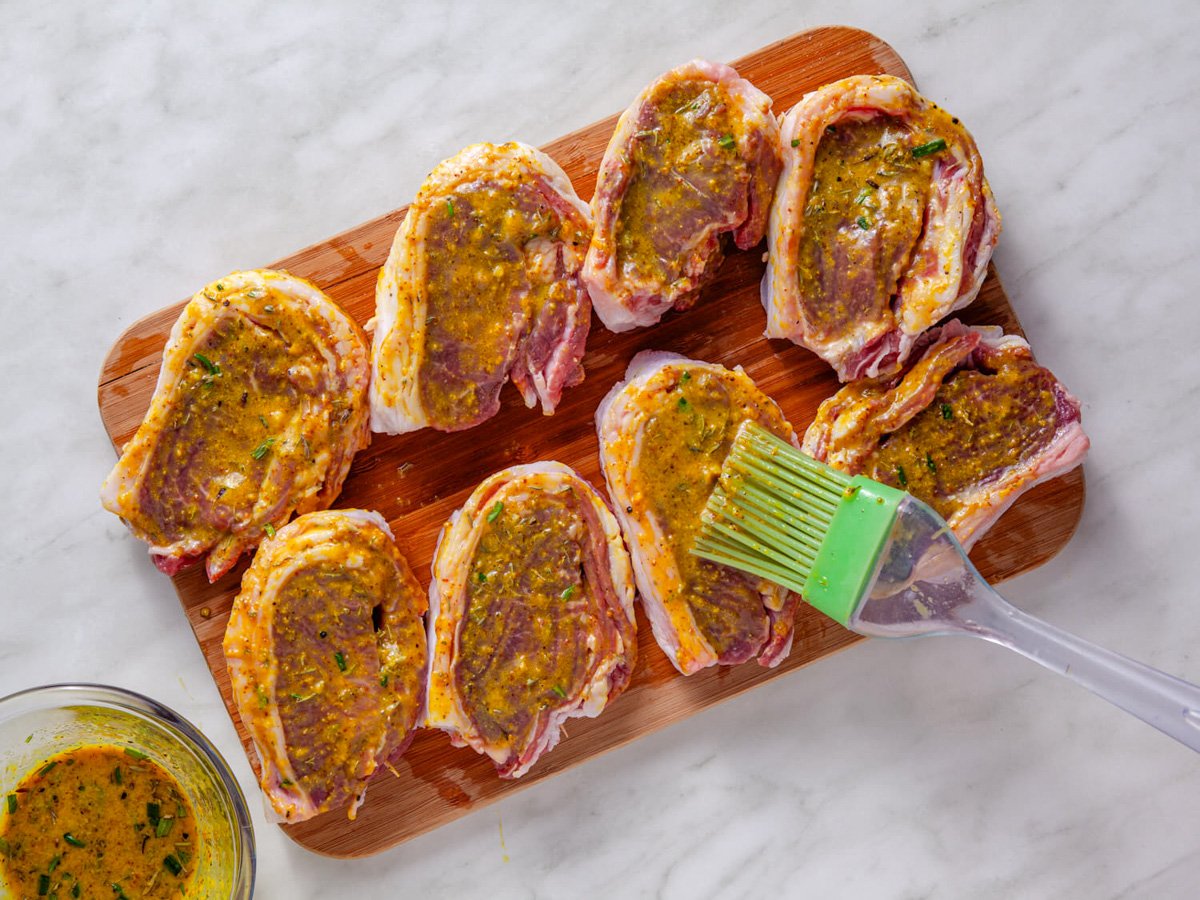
point(149, 148)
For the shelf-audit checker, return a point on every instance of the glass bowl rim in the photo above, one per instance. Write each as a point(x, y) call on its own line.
point(123, 698)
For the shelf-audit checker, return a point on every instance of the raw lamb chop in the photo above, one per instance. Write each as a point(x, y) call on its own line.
point(883, 223)
point(968, 428)
point(531, 614)
point(694, 157)
point(326, 653)
point(482, 283)
point(260, 406)
point(664, 433)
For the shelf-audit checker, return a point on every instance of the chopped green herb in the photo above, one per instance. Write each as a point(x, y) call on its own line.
point(261, 450)
point(727, 142)
point(263, 419)
point(43, 885)
point(450, 208)
point(495, 511)
point(117, 777)
point(263, 700)
point(54, 862)
point(947, 412)
point(163, 828)
point(795, 142)
point(172, 864)
point(481, 576)
point(73, 841)
point(930, 464)
point(383, 680)
point(76, 891)
point(209, 366)
point(567, 592)
point(558, 690)
point(863, 223)
point(269, 529)
point(153, 812)
point(683, 404)
point(300, 698)
point(220, 286)
point(136, 754)
point(901, 477)
point(929, 149)
point(45, 770)
point(340, 659)
point(269, 308)
point(287, 782)
point(28, 738)
point(12, 803)
point(863, 196)
point(685, 377)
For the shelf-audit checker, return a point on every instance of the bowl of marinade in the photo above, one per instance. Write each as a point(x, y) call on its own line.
point(107, 793)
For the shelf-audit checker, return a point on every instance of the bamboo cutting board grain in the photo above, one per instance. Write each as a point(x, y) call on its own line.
point(417, 480)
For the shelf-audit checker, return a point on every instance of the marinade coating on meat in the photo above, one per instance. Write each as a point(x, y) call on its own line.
point(260, 406)
point(531, 614)
point(326, 653)
point(694, 158)
point(482, 284)
point(970, 426)
point(664, 433)
point(883, 224)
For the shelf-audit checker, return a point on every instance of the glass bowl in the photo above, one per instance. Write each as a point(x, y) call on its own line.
point(41, 722)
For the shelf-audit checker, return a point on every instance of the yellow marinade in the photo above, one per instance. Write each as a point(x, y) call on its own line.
point(480, 246)
point(682, 161)
point(978, 424)
point(231, 419)
point(338, 665)
point(685, 440)
point(523, 642)
point(864, 216)
point(98, 821)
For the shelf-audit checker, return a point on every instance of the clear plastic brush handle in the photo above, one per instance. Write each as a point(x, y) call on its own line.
point(925, 584)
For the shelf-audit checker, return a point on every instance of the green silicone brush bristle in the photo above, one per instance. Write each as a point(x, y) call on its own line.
point(782, 515)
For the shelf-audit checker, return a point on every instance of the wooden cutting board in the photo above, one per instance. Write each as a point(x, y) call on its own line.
point(417, 480)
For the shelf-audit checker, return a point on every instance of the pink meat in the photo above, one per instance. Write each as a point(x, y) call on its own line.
point(727, 183)
point(852, 424)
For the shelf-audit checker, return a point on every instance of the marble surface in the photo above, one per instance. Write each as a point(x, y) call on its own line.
point(149, 147)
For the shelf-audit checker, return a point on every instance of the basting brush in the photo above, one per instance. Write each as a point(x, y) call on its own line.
point(884, 564)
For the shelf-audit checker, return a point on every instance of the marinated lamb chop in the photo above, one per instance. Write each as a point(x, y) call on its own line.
point(260, 406)
point(883, 223)
point(694, 158)
point(326, 653)
point(968, 428)
point(482, 283)
point(664, 433)
point(531, 614)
